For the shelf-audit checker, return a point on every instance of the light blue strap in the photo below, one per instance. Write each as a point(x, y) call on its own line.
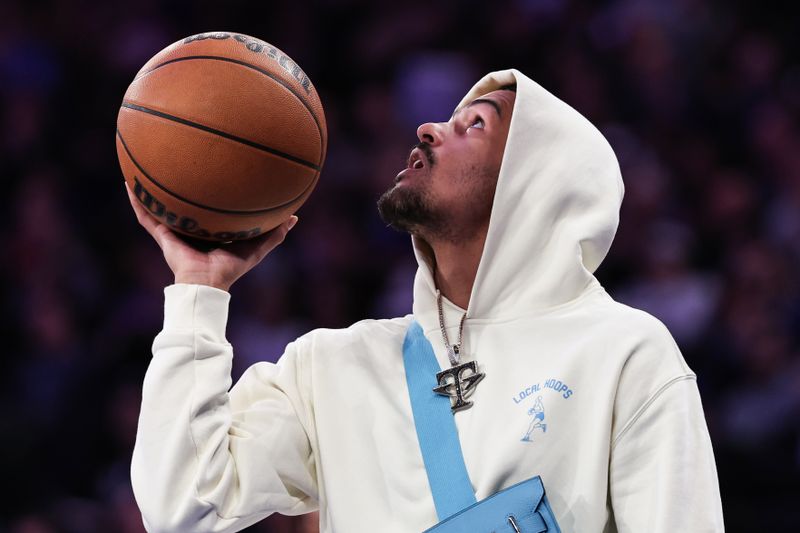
point(436, 428)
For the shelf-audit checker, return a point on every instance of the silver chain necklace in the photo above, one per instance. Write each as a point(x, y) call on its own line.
point(459, 381)
point(454, 351)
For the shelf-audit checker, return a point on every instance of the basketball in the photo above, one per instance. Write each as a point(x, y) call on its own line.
point(221, 136)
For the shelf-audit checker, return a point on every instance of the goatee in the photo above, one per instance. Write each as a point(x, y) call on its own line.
point(407, 210)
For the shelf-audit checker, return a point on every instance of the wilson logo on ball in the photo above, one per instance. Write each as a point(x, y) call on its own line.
point(183, 223)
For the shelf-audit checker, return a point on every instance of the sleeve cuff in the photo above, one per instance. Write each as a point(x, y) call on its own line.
point(196, 307)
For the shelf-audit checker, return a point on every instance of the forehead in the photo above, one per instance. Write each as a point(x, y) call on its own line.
point(504, 100)
point(502, 96)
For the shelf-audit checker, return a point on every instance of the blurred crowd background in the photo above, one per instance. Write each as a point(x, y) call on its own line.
point(699, 99)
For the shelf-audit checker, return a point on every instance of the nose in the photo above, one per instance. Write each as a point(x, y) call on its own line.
point(430, 133)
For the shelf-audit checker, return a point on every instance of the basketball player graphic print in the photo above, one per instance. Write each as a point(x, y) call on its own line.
point(537, 422)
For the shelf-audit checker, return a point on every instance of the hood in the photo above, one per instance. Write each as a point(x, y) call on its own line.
point(555, 211)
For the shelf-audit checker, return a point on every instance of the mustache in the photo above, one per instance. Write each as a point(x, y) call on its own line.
point(426, 150)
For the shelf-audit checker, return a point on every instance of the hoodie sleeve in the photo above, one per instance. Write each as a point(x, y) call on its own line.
point(662, 476)
point(209, 460)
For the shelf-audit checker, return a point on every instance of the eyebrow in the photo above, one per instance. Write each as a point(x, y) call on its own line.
point(477, 101)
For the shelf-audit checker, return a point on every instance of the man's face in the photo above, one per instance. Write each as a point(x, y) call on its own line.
point(447, 189)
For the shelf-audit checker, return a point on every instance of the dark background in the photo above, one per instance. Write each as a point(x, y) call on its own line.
point(700, 100)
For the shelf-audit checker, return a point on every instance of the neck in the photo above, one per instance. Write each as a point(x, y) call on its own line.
point(456, 266)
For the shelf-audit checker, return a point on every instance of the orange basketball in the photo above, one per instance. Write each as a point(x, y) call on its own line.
point(221, 136)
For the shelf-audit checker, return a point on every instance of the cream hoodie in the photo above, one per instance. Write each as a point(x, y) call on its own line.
point(591, 395)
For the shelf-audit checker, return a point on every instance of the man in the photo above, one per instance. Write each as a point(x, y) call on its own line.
point(511, 204)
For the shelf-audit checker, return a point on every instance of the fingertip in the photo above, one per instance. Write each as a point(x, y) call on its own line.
point(293, 221)
point(131, 196)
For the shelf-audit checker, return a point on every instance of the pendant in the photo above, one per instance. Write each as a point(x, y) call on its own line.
point(459, 382)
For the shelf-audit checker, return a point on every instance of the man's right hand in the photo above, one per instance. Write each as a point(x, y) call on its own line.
point(219, 267)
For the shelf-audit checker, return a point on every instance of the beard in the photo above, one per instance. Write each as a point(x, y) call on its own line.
point(409, 211)
point(413, 210)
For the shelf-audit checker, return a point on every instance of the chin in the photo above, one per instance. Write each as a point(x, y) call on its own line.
point(404, 207)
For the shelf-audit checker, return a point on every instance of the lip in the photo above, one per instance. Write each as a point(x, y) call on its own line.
point(416, 156)
point(405, 172)
point(416, 163)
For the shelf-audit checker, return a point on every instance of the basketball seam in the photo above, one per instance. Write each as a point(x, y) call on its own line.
point(252, 144)
point(257, 69)
point(206, 207)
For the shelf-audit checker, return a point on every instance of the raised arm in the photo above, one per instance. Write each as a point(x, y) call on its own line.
point(207, 460)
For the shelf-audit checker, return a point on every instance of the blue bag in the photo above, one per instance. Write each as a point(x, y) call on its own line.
point(521, 508)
